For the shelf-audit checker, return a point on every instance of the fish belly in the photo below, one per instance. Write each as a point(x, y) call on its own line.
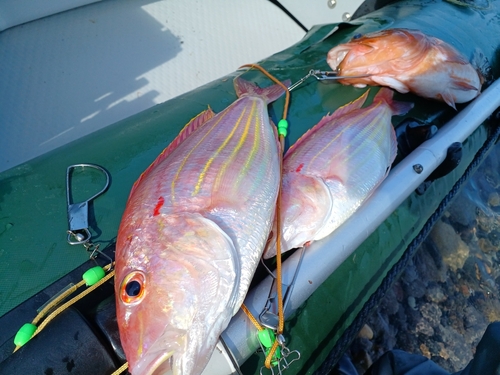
point(307, 204)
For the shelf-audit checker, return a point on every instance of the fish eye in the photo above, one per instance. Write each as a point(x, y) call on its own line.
point(357, 36)
point(132, 288)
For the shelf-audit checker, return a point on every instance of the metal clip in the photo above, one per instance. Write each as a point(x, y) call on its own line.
point(282, 358)
point(323, 75)
point(269, 315)
point(78, 213)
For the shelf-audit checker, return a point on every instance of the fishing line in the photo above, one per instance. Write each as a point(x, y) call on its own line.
point(282, 132)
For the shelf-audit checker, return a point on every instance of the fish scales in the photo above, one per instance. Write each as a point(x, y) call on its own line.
point(193, 232)
point(335, 167)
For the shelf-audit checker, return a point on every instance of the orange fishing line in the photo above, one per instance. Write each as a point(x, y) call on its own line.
point(279, 289)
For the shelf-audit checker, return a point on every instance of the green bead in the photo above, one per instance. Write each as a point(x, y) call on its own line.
point(277, 354)
point(93, 275)
point(24, 334)
point(283, 127)
point(266, 337)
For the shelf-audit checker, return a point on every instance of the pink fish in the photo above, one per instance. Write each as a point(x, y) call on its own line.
point(193, 231)
point(407, 60)
point(334, 167)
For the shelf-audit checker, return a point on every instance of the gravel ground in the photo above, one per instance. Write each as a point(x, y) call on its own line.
point(443, 302)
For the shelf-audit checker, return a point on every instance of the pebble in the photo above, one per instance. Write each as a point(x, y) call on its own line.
point(486, 246)
point(366, 332)
point(435, 294)
point(412, 302)
point(494, 199)
point(425, 351)
point(424, 328)
point(464, 289)
point(443, 353)
point(431, 313)
point(453, 250)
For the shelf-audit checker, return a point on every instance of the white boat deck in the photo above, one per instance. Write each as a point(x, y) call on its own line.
point(67, 73)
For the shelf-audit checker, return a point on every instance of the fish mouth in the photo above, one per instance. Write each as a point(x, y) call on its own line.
point(334, 59)
point(158, 363)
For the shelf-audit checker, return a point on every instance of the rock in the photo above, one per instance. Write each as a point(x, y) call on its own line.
point(412, 302)
point(432, 313)
point(417, 288)
point(433, 268)
point(443, 353)
point(486, 246)
point(425, 351)
point(453, 250)
point(494, 237)
point(463, 212)
point(424, 328)
point(366, 332)
point(494, 199)
point(410, 274)
point(435, 294)
point(464, 289)
point(390, 304)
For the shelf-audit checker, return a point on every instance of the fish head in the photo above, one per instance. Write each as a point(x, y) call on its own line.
point(376, 53)
point(169, 272)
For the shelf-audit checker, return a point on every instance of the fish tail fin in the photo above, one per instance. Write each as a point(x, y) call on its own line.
point(268, 94)
point(398, 108)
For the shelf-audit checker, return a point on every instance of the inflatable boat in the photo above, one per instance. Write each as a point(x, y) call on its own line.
point(330, 286)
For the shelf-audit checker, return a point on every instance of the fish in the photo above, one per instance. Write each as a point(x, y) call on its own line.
point(192, 234)
point(407, 61)
point(334, 167)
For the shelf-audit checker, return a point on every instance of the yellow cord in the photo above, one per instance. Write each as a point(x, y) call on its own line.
point(279, 289)
point(72, 301)
point(252, 318)
point(64, 306)
point(56, 301)
point(121, 369)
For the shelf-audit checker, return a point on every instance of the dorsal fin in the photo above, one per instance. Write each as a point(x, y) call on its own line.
point(190, 127)
point(341, 111)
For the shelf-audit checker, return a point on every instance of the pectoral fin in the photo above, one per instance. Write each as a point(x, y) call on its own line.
point(461, 85)
point(448, 98)
point(392, 83)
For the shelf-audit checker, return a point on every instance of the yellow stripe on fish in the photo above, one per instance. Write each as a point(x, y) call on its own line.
point(184, 161)
point(216, 153)
point(354, 120)
point(241, 142)
point(254, 115)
